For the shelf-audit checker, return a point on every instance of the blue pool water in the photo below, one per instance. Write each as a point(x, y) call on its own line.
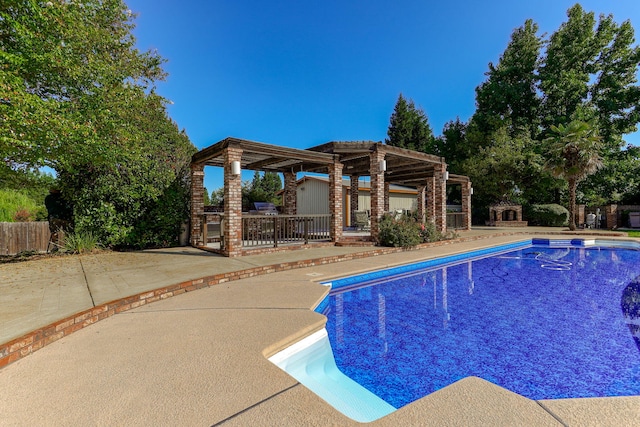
point(551, 320)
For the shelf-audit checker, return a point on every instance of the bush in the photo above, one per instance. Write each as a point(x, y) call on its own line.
point(79, 243)
point(407, 231)
point(403, 232)
point(552, 215)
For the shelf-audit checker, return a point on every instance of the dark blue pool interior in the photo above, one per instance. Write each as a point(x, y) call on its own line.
point(545, 322)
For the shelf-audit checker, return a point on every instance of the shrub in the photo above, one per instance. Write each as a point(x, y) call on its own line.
point(551, 215)
point(403, 232)
point(79, 243)
point(23, 215)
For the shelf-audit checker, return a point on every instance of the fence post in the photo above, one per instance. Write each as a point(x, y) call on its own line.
point(276, 231)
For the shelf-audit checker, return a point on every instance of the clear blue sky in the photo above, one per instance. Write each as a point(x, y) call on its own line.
point(299, 73)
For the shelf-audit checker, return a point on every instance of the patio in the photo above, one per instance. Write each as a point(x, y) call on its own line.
point(200, 358)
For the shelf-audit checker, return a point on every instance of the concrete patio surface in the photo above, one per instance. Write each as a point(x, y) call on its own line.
point(200, 358)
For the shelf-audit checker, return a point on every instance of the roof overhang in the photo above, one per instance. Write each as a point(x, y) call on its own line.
point(259, 156)
point(403, 167)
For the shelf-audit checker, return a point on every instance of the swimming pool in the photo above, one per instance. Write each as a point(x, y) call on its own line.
point(545, 319)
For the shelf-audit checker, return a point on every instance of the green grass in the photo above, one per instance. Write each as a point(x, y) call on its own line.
point(633, 233)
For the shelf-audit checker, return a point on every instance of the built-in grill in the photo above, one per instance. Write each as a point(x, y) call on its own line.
point(263, 208)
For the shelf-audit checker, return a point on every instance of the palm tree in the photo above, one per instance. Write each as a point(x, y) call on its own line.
point(574, 154)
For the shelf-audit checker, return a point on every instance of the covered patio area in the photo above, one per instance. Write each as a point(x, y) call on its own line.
point(383, 165)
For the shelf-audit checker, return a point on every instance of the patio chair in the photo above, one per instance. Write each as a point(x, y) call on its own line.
point(361, 220)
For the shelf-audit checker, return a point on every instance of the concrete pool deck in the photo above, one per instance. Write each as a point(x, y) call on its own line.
point(200, 358)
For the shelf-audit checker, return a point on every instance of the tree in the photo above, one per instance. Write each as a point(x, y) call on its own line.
point(206, 197)
point(509, 95)
point(504, 169)
point(217, 197)
point(618, 181)
point(409, 127)
point(77, 96)
point(262, 188)
point(574, 154)
point(452, 145)
point(589, 73)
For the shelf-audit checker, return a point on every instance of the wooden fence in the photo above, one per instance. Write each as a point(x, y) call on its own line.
point(16, 237)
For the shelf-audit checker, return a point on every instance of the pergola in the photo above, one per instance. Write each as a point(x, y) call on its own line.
point(384, 164)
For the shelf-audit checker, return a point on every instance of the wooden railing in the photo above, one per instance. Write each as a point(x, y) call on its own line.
point(456, 220)
point(260, 230)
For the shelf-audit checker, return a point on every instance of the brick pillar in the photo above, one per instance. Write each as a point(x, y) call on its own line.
point(353, 206)
point(197, 204)
point(377, 192)
point(422, 191)
point(440, 193)
point(386, 196)
point(466, 204)
point(290, 193)
point(611, 212)
point(431, 200)
point(335, 200)
point(580, 216)
point(232, 204)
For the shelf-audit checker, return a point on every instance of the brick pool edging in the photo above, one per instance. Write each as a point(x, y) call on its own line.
point(23, 346)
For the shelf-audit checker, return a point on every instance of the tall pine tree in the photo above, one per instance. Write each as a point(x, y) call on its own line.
point(409, 127)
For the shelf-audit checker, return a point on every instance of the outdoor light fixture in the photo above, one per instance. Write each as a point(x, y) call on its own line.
point(471, 192)
point(383, 165)
point(446, 175)
point(235, 167)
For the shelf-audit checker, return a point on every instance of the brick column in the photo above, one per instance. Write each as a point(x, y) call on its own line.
point(232, 204)
point(386, 196)
point(421, 202)
point(611, 213)
point(197, 204)
point(440, 193)
point(431, 200)
point(353, 205)
point(290, 193)
point(335, 200)
point(377, 192)
point(466, 203)
point(580, 216)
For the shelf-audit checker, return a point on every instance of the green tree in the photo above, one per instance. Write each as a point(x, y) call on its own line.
point(505, 169)
point(573, 154)
point(589, 73)
point(509, 96)
point(262, 188)
point(409, 127)
point(618, 181)
point(206, 197)
point(77, 96)
point(217, 197)
point(452, 145)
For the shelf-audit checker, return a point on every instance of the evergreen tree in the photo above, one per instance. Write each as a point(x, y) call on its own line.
point(509, 95)
point(452, 145)
point(409, 127)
